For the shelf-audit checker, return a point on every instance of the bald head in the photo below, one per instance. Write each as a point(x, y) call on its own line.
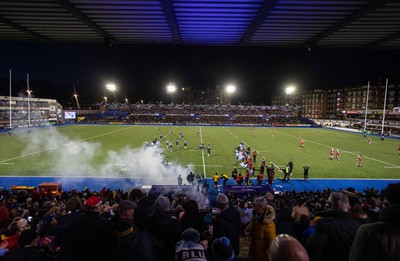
point(287, 248)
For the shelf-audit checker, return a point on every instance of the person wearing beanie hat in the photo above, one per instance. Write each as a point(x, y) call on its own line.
point(92, 202)
point(189, 248)
point(222, 249)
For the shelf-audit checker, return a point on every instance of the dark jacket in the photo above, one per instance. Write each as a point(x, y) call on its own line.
point(93, 238)
point(333, 237)
point(193, 220)
point(164, 231)
point(381, 240)
point(227, 223)
point(131, 244)
point(63, 236)
point(143, 210)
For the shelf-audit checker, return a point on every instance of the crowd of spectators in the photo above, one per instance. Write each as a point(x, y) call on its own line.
point(205, 114)
point(128, 225)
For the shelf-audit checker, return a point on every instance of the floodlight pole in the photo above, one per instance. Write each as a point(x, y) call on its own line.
point(384, 107)
point(171, 88)
point(76, 98)
point(230, 89)
point(366, 110)
point(29, 104)
point(10, 106)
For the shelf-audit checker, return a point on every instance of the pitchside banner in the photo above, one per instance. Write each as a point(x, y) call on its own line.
point(247, 189)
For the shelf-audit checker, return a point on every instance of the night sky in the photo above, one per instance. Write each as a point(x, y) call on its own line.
point(143, 71)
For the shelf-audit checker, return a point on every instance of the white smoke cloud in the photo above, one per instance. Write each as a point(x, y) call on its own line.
point(76, 157)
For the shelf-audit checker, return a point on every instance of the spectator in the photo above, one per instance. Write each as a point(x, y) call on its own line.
point(381, 240)
point(91, 234)
point(189, 247)
point(132, 245)
point(144, 207)
point(191, 217)
point(28, 249)
point(4, 213)
point(262, 230)
point(165, 229)
point(126, 209)
point(284, 223)
point(335, 233)
point(74, 209)
point(3, 248)
point(227, 222)
point(221, 250)
point(287, 248)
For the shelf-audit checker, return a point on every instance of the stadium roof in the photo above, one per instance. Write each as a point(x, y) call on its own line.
point(283, 23)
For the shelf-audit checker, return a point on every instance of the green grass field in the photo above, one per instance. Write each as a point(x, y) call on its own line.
point(113, 149)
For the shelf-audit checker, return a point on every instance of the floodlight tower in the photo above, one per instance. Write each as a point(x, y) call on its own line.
point(76, 98)
point(230, 89)
point(171, 88)
point(112, 88)
point(29, 103)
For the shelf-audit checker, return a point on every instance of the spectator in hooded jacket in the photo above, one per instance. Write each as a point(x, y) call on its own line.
point(262, 230)
point(381, 240)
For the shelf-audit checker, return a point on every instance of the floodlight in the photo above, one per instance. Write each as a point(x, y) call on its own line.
point(171, 88)
point(230, 88)
point(111, 87)
point(290, 89)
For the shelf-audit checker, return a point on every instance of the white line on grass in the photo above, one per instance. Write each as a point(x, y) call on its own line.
point(374, 137)
point(202, 154)
point(6, 163)
point(349, 152)
point(389, 167)
point(205, 165)
point(59, 147)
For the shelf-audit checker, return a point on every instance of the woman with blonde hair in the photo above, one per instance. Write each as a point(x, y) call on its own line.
point(261, 230)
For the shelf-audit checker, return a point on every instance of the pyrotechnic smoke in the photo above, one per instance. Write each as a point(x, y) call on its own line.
point(77, 157)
